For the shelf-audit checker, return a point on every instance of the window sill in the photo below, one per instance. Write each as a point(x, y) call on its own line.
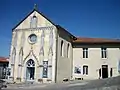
point(85, 58)
point(104, 58)
point(77, 73)
point(85, 74)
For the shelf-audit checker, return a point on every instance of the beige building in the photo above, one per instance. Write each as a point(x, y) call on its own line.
point(42, 51)
point(95, 58)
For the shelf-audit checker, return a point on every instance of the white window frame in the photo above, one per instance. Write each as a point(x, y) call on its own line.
point(103, 52)
point(85, 70)
point(85, 52)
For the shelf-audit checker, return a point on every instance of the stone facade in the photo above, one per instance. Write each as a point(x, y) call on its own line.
point(39, 50)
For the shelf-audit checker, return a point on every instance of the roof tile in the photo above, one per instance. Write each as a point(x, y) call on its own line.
point(4, 59)
point(95, 40)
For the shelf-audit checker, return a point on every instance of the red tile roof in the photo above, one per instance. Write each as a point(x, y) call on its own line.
point(95, 40)
point(3, 59)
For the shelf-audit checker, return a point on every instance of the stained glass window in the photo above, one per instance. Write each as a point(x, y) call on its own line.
point(45, 69)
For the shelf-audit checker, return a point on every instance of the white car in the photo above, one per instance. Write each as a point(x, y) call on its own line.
point(3, 84)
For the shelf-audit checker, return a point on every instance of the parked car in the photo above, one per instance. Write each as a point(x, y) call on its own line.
point(3, 84)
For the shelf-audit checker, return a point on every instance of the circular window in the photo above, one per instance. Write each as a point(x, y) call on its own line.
point(33, 38)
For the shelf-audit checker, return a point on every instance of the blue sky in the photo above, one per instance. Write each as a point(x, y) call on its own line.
point(86, 18)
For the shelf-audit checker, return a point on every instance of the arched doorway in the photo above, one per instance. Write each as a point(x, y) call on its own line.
point(30, 69)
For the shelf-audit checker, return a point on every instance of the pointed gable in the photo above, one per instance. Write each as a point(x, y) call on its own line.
point(42, 21)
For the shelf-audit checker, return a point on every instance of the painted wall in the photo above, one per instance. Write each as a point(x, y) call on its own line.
point(94, 61)
point(64, 63)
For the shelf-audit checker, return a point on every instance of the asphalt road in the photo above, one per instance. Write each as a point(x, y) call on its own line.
point(60, 86)
point(103, 84)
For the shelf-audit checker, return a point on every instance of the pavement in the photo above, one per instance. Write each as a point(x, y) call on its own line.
point(25, 86)
point(102, 84)
point(45, 85)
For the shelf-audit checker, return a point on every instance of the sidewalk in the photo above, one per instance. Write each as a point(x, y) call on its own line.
point(42, 85)
point(16, 86)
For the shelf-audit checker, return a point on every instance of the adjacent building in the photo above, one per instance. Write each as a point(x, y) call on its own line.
point(4, 61)
point(95, 58)
point(42, 51)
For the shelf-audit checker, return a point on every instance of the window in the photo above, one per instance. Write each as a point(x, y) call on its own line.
point(62, 48)
point(104, 52)
point(68, 50)
point(30, 63)
point(33, 23)
point(85, 52)
point(77, 70)
point(45, 69)
point(33, 38)
point(85, 70)
point(8, 71)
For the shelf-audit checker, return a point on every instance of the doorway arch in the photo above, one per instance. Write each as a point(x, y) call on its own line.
point(30, 69)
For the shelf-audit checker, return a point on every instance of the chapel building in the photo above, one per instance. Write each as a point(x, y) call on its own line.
point(42, 51)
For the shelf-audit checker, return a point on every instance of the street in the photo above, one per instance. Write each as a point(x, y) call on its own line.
point(102, 84)
point(60, 86)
